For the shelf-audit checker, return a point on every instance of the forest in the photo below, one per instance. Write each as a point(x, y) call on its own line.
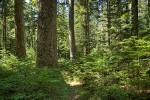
point(74, 49)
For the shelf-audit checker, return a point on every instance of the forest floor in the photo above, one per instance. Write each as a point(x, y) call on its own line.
point(74, 86)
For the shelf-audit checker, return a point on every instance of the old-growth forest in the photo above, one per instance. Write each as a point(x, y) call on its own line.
point(74, 49)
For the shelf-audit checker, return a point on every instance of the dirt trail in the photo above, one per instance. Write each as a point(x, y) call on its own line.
point(74, 86)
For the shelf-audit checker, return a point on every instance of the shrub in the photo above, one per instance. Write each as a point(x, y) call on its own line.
point(22, 80)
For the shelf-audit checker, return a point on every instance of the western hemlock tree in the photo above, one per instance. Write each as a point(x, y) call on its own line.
point(20, 42)
point(47, 36)
point(86, 14)
point(4, 17)
point(108, 22)
point(71, 29)
point(134, 31)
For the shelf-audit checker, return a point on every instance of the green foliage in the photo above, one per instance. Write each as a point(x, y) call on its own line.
point(119, 71)
point(62, 30)
point(134, 48)
point(116, 93)
point(117, 74)
point(22, 80)
point(108, 93)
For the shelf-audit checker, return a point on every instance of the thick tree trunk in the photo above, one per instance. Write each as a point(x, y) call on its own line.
point(71, 28)
point(47, 36)
point(20, 42)
point(134, 31)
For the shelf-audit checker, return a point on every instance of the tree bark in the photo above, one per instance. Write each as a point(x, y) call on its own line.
point(71, 29)
point(134, 30)
point(108, 22)
point(85, 24)
point(20, 42)
point(47, 36)
point(4, 25)
point(127, 11)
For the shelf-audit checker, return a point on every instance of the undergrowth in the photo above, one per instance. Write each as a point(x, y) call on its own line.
point(119, 74)
point(21, 80)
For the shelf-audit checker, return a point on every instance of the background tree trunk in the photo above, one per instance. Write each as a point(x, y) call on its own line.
point(47, 36)
point(85, 24)
point(20, 42)
point(127, 11)
point(108, 22)
point(134, 31)
point(71, 29)
point(4, 24)
point(87, 28)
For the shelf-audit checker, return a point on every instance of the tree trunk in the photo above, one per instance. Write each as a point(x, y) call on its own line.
point(20, 42)
point(71, 28)
point(134, 30)
point(47, 36)
point(119, 14)
point(85, 24)
point(87, 31)
point(108, 22)
point(4, 25)
point(127, 30)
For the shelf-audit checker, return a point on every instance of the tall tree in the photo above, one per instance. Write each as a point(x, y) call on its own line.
point(134, 31)
point(127, 30)
point(87, 27)
point(20, 42)
point(71, 29)
point(86, 14)
point(108, 22)
point(4, 16)
point(47, 35)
